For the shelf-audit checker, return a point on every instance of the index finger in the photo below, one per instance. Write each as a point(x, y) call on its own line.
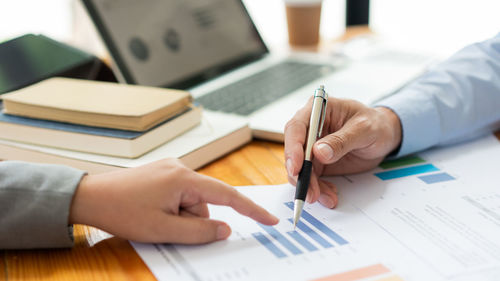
point(216, 192)
point(295, 137)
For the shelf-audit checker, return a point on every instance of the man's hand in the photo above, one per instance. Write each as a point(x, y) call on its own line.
point(160, 202)
point(355, 138)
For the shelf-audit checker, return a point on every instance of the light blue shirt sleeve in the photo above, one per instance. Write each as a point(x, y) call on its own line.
point(457, 100)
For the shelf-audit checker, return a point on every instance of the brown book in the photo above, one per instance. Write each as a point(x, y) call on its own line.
point(213, 138)
point(98, 104)
point(104, 141)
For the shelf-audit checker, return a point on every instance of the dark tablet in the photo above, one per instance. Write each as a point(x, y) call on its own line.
point(31, 58)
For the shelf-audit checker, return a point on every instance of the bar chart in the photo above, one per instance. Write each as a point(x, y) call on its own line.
point(412, 166)
point(311, 235)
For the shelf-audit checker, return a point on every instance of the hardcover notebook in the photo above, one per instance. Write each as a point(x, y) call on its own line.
point(99, 104)
point(104, 141)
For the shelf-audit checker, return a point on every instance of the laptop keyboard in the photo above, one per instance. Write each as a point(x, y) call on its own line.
point(249, 94)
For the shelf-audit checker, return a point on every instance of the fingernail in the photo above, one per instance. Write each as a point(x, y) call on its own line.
point(289, 167)
point(275, 218)
point(325, 150)
point(223, 231)
point(326, 201)
point(308, 198)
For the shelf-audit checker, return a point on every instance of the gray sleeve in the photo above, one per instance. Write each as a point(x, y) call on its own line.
point(35, 201)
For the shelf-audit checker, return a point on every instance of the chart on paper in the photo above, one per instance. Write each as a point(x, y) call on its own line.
point(254, 248)
point(329, 244)
point(437, 205)
point(311, 235)
point(435, 216)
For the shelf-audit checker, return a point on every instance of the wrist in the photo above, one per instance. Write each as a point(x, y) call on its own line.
point(393, 128)
point(80, 204)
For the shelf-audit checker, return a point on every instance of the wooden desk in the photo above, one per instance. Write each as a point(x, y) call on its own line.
point(257, 163)
point(92, 258)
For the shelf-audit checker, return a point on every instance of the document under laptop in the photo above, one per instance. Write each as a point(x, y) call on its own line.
point(213, 49)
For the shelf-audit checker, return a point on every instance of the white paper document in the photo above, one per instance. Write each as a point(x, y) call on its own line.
point(432, 216)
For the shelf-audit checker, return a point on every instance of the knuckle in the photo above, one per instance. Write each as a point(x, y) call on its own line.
point(180, 170)
point(364, 122)
point(232, 194)
point(177, 162)
point(169, 163)
point(289, 152)
point(293, 123)
point(337, 142)
point(353, 103)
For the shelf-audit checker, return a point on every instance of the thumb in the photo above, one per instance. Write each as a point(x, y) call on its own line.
point(195, 230)
point(334, 146)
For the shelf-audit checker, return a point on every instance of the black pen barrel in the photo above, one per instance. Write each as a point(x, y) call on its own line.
point(303, 181)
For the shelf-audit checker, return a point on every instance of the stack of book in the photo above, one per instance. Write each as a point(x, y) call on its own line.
point(108, 123)
point(96, 117)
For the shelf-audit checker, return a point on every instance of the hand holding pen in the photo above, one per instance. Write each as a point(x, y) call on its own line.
point(316, 123)
point(355, 138)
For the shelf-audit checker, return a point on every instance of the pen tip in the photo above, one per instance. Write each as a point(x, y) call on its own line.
point(297, 210)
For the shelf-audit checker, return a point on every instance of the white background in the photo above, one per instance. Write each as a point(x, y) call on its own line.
point(438, 25)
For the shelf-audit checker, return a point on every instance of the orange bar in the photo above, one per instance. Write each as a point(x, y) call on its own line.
point(356, 274)
point(391, 278)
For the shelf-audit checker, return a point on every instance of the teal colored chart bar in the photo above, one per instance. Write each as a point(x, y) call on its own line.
point(269, 245)
point(404, 172)
point(302, 241)
point(280, 238)
point(320, 226)
point(435, 178)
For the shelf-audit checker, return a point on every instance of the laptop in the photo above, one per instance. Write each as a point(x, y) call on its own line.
point(213, 49)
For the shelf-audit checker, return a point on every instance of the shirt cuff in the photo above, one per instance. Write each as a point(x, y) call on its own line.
point(420, 123)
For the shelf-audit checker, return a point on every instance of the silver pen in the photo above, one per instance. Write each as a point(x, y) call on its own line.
point(315, 129)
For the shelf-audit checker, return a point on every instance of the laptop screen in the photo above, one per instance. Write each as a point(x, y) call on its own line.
point(176, 43)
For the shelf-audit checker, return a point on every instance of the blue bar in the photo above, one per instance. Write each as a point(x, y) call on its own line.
point(434, 178)
point(302, 241)
point(281, 239)
point(404, 172)
point(269, 245)
point(311, 233)
point(320, 226)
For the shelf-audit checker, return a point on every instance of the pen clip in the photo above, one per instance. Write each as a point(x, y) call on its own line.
point(324, 96)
